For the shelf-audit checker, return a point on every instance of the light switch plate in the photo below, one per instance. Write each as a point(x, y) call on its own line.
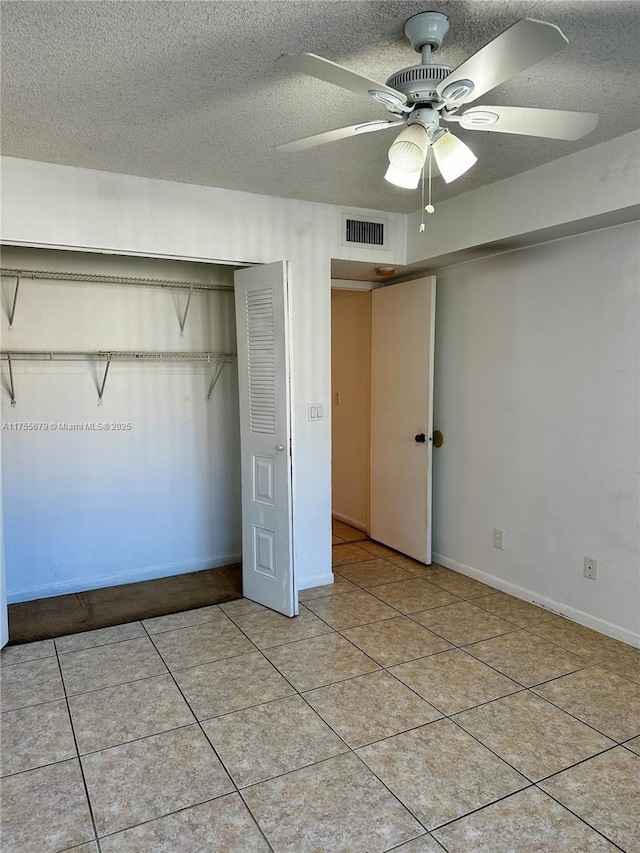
point(315, 411)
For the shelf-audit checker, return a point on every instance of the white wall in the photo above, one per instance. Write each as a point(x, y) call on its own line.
point(86, 509)
point(537, 394)
point(57, 206)
point(581, 191)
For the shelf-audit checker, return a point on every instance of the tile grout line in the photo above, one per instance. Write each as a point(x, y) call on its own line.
point(576, 764)
point(534, 786)
point(582, 819)
point(353, 750)
point(464, 649)
point(161, 817)
point(573, 716)
point(79, 759)
point(175, 728)
point(449, 717)
point(587, 665)
point(349, 750)
point(215, 752)
point(524, 687)
point(530, 688)
point(386, 669)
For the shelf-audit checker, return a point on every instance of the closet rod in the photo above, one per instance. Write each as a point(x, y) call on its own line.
point(109, 356)
point(97, 278)
point(115, 355)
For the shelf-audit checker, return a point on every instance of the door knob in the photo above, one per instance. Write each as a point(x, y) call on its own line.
point(420, 438)
point(280, 447)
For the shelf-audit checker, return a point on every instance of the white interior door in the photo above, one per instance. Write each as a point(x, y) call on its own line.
point(402, 341)
point(261, 295)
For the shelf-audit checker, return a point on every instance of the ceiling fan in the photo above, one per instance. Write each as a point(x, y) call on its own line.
point(425, 98)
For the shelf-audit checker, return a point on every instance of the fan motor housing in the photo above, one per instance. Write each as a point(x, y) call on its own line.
point(418, 82)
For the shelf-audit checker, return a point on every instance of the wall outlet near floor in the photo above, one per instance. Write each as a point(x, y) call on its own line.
point(590, 568)
point(498, 538)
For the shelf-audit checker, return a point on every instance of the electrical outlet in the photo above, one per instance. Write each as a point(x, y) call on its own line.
point(590, 568)
point(498, 538)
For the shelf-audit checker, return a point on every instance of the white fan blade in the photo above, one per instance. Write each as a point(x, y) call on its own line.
point(334, 135)
point(554, 124)
point(330, 72)
point(517, 48)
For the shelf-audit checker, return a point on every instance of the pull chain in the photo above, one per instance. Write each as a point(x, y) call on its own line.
point(429, 208)
point(422, 225)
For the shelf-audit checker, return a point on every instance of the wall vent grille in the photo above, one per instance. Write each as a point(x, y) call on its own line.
point(364, 232)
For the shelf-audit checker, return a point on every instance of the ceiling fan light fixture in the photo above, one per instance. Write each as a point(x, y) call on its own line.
point(409, 150)
point(406, 180)
point(453, 157)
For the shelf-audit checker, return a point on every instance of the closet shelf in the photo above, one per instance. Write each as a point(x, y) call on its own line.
point(98, 278)
point(109, 356)
point(115, 355)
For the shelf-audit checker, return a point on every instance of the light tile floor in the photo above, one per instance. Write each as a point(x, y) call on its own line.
point(407, 708)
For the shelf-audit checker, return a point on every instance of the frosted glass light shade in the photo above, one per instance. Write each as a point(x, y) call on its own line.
point(406, 180)
point(409, 150)
point(453, 157)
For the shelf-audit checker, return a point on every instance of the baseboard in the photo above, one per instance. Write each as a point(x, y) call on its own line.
point(131, 576)
point(316, 580)
point(352, 522)
point(579, 616)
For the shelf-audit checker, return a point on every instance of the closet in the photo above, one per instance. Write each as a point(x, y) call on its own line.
point(119, 412)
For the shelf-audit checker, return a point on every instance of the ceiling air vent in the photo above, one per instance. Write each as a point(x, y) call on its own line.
point(364, 233)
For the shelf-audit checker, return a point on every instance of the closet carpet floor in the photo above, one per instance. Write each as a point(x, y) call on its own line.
point(46, 618)
point(406, 708)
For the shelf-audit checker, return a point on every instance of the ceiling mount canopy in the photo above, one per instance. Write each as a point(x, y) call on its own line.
point(426, 97)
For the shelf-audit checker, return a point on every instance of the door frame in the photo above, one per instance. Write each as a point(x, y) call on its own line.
point(339, 284)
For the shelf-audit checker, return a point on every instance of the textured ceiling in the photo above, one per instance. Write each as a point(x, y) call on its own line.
point(189, 91)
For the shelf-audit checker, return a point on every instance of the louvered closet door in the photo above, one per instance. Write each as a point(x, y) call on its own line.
point(263, 372)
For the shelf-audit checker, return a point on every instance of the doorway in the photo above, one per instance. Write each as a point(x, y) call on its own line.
point(382, 412)
point(350, 405)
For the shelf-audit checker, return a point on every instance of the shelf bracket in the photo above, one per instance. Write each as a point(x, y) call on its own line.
point(12, 389)
point(183, 319)
point(216, 376)
point(12, 313)
point(104, 380)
